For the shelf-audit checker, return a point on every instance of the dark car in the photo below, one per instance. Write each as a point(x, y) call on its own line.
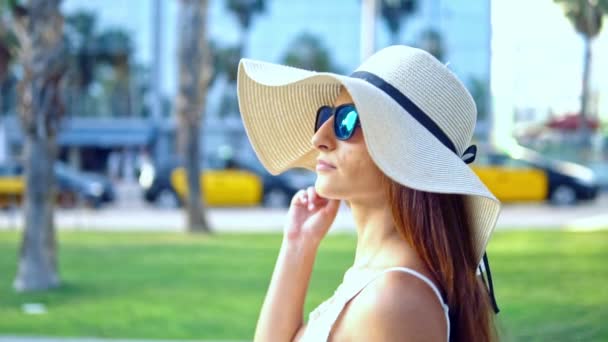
point(560, 182)
point(73, 186)
point(155, 181)
point(568, 182)
point(93, 189)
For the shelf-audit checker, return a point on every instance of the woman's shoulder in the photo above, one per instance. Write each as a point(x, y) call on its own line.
point(395, 306)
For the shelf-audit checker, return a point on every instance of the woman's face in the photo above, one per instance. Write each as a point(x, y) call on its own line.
point(352, 174)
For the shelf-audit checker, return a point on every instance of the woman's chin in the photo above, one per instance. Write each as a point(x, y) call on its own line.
point(326, 189)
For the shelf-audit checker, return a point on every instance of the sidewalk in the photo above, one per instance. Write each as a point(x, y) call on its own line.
point(588, 216)
point(131, 213)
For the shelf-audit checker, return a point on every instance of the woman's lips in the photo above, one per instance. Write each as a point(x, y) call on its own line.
point(324, 166)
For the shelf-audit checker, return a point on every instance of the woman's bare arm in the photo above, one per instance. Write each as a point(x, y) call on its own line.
point(282, 312)
point(308, 221)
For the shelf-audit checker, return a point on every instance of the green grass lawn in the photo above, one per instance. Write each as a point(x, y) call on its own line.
point(551, 286)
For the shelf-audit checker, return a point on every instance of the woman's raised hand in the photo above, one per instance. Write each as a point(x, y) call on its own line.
point(310, 216)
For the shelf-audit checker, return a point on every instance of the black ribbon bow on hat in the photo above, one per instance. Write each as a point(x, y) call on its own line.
point(468, 157)
point(469, 154)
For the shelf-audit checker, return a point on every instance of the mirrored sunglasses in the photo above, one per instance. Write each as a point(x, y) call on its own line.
point(346, 119)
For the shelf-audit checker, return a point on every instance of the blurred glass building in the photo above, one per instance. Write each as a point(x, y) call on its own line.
point(123, 70)
point(122, 74)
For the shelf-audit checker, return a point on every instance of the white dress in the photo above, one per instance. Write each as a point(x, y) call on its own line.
point(322, 319)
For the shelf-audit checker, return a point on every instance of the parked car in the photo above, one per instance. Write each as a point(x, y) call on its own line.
point(72, 186)
point(166, 185)
point(227, 182)
point(155, 181)
point(279, 189)
point(92, 188)
point(12, 186)
point(521, 174)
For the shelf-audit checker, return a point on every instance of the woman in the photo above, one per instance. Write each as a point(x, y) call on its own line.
point(392, 141)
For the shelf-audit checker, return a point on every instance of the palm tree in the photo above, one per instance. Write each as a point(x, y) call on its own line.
point(393, 12)
point(245, 10)
point(226, 59)
point(586, 17)
point(80, 33)
point(195, 71)
point(225, 63)
point(113, 47)
point(4, 72)
point(90, 49)
point(7, 47)
point(38, 26)
point(431, 40)
point(306, 51)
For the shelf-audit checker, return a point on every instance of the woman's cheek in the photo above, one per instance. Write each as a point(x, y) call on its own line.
point(360, 162)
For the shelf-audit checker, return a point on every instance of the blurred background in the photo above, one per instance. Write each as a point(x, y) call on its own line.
point(135, 104)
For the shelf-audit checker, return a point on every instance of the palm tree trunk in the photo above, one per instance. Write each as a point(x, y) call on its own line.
point(197, 221)
point(4, 63)
point(39, 30)
point(585, 130)
point(37, 268)
point(194, 75)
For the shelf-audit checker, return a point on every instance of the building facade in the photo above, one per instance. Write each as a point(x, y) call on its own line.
point(123, 76)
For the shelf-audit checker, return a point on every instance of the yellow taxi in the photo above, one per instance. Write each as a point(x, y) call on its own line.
point(511, 180)
point(12, 186)
point(229, 187)
point(166, 185)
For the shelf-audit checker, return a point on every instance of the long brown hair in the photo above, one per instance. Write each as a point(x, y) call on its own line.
point(437, 228)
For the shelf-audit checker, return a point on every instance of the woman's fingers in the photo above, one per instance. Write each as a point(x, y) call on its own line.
point(310, 213)
point(300, 198)
point(312, 197)
point(308, 198)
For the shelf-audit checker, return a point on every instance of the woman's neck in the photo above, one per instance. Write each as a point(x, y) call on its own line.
point(379, 245)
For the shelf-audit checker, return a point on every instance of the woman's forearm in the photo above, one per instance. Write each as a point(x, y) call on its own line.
point(282, 312)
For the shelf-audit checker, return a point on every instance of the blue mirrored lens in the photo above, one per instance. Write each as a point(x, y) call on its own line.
point(323, 114)
point(346, 121)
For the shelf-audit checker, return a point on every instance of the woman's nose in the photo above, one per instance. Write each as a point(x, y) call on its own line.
point(324, 139)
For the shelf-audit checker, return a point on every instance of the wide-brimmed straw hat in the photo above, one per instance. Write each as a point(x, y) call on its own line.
point(416, 116)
